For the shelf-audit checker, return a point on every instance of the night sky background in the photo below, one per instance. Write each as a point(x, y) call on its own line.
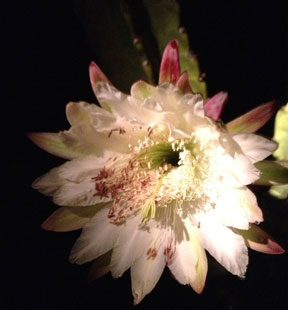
point(45, 57)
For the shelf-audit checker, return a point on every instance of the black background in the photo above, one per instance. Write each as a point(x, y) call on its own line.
point(45, 56)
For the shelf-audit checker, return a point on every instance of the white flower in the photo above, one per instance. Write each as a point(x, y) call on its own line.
point(156, 180)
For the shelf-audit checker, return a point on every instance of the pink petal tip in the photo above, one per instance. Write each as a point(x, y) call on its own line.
point(170, 68)
point(214, 106)
point(96, 75)
point(183, 83)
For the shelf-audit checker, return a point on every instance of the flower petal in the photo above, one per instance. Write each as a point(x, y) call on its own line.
point(96, 75)
point(54, 144)
point(272, 172)
point(254, 119)
point(249, 203)
point(189, 263)
point(201, 268)
point(237, 171)
point(93, 130)
point(255, 147)
point(127, 108)
point(260, 241)
point(97, 238)
point(170, 68)
point(132, 243)
point(184, 261)
point(100, 266)
point(141, 90)
point(214, 106)
point(71, 184)
point(236, 208)
point(183, 83)
point(84, 114)
point(147, 269)
point(227, 247)
point(107, 94)
point(68, 219)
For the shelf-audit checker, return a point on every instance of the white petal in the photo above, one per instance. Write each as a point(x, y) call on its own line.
point(108, 94)
point(85, 114)
point(124, 106)
point(183, 264)
point(146, 270)
point(237, 171)
point(71, 184)
point(78, 113)
point(88, 140)
point(189, 266)
point(78, 194)
point(48, 183)
point(237, 207)
point(198, 105)
point(249, 203)
point(227, 247)
point(79, 169)
point(97, 238)
point(132, 243)
point(229, 208)
point(255, 147)
point(95, 130)
point(247, 173)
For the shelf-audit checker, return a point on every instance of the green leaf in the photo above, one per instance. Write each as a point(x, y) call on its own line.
point(52, 143)
point(70, 218)
point(165, 25)
point(259, 240)
point(253, 120)
point(272, 172)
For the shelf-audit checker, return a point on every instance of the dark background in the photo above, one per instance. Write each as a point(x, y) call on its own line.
point(45, 56)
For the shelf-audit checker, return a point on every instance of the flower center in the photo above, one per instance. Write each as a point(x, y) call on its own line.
point(163, 154)
point(159, 174)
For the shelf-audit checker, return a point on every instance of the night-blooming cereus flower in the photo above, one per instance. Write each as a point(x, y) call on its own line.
point(154, 179)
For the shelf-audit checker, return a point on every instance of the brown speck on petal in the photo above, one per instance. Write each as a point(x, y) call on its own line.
point(151, 253)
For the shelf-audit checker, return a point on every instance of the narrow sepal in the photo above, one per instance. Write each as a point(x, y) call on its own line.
point(253, 120)
point(96, 75)
point(70, 218)
point(141, 90)
point(52, 143)
point(183, 83)
point(201, 266)
point(100, 266)
point(260, 241)
point(170, 68)
point(272, 172)
point(214, 106)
